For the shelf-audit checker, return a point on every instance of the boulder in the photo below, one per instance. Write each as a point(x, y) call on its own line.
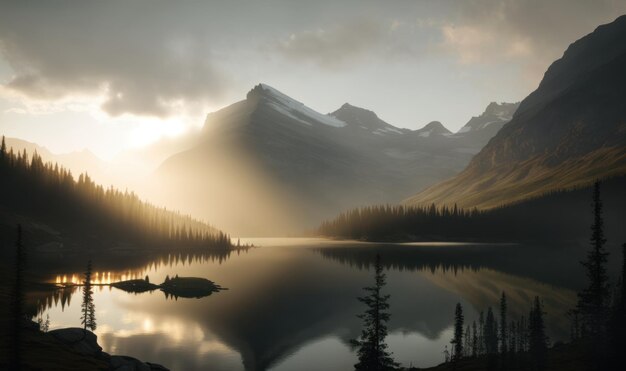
point(82, 341)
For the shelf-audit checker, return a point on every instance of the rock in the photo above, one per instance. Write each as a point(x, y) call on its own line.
point(82, 341)
point(124, 363)
point(157, 367)
point(86, 342)
point(136, 286)
point(189, 287)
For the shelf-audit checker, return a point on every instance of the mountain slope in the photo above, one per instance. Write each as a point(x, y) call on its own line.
point(567, 133)
point(77, 162)
point(67, 215)
point(271, 165)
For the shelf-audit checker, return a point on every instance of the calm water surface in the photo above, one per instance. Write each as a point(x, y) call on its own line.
point(291, 304)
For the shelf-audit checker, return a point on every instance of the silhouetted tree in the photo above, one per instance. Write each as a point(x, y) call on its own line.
point(481, 333)
point(3, 149)
point(503, 324)
point(88, 308)
point(372, 349)
point(457, 340)
point(538, 341)
point(18, 300)
point(474, 338)
point(491, 333)
point(594, 299)
point(467, 344)
point(617, 327)
point(50, 194)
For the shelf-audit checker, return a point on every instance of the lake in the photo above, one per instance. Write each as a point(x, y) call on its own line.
point(291, 303)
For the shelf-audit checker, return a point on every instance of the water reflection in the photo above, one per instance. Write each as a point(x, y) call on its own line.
point(295, 308)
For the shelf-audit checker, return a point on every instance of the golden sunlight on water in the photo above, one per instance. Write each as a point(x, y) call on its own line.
point(98, 278)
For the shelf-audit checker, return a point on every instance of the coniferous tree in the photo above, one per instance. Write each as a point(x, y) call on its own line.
point(457, 341)
point(474, 340)
point(618, 317)
point(3, 149)
point(594, 299)
point(467, 345)
point(538, 341)
point(18, 299)
point(503, 324)
point(491, 333)
point(88, 308)
point(372, 348)
point(481, 333)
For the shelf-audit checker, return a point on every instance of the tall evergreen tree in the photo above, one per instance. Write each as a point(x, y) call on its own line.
point(3, 149)
point(491, 333)
point(88, 308)
point(538, 341)
point(457, 341)
point(481, 333)
point(372, 349)
point(474, 340)
point(618, 317)
point(18, 300)
point(594, 299)
point(503, 324)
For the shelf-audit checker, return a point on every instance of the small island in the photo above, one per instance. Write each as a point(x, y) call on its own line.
point(185, 287)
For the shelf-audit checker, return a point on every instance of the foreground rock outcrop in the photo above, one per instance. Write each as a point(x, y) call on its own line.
point(86, 343)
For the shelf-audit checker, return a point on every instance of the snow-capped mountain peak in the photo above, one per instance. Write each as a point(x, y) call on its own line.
point(292, 108)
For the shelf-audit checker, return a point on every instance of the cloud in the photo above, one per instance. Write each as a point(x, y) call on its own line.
point(336, 46)
point(130, 57)
point(530, 32)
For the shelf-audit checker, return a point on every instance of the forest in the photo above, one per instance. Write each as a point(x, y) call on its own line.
point(562, 216)
point(53, 205)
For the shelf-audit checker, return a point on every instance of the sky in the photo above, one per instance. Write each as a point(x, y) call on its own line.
point(113, 75)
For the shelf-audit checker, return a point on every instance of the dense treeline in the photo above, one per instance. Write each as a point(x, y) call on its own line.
point(559, 215)
point(598, 322)
point(505, 344)
point(47, 193)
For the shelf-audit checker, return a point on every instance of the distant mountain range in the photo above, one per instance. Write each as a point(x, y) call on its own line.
point(567, 133)
point(77, 162)
point(270, 164)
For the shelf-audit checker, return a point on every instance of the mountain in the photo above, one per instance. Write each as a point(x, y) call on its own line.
point(77, 162)
point(63, 215)
point(270, 165)
point(567, 133)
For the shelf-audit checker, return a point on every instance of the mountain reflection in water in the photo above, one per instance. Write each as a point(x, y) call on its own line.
point(291, 304)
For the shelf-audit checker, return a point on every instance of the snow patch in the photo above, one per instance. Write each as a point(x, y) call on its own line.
point(298, 110)
point(382, 131)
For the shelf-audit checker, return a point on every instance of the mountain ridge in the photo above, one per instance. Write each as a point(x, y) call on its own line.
point(304, 165)
point(569, 132)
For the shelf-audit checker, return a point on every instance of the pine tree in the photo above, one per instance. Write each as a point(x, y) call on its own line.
point(88, 318)
point(481, 333)
point(18, 299)
point(593, 300)
point(538, 341)
point(467, 345)
point(618, 317)
point(457, 341)
point(491, 333)
point(503, 324)
point(474, 340)
point(372, 349)
point(3, 149)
